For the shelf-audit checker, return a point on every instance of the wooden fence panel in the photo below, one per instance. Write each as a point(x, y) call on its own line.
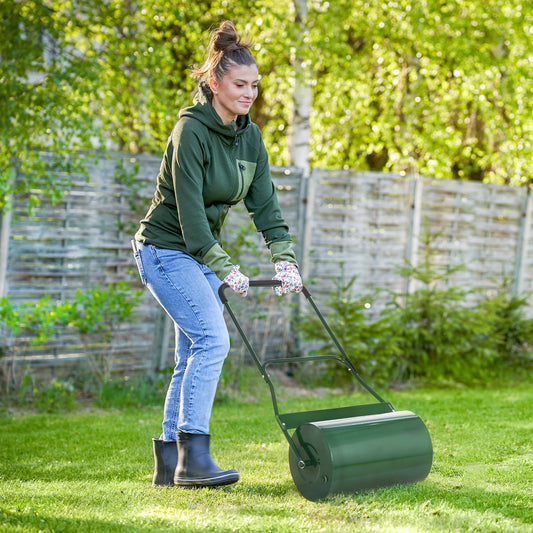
point(359, 226)
point(475, 225)
point(344, 223)
point(78, 244)
point(83, 241)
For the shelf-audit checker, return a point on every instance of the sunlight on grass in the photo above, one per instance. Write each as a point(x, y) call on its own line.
point(91, 471)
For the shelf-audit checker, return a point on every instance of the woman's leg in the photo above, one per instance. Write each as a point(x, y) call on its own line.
point(187, 291)
point(172, 400)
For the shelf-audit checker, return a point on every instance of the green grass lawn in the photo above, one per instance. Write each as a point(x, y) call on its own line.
point(92, 470)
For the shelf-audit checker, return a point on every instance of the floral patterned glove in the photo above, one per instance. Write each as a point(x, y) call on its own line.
point(237, 281)
point(289, 276)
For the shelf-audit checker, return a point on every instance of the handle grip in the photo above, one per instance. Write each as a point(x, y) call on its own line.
point(253, 283)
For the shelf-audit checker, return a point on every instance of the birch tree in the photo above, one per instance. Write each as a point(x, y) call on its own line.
point(302, 94)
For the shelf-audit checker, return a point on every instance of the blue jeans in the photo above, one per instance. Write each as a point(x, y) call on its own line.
point(188, 292)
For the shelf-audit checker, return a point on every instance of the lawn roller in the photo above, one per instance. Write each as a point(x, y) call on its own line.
point(345, 449)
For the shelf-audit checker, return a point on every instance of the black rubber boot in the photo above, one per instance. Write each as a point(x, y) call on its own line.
point(196, 467)
point(166, 460)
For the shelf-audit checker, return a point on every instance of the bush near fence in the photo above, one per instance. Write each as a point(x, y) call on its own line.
point(363, 225)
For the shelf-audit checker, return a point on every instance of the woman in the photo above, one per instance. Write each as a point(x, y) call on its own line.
point(214, 158)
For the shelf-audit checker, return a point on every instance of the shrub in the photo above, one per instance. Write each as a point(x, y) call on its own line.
point(135, 391)
point(95, 315)
point(513, 331)
point(55, 396)
point(431, 334)
point(438, 337)
point(347, 316)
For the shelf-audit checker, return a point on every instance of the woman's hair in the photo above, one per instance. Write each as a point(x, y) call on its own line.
point(225, 51)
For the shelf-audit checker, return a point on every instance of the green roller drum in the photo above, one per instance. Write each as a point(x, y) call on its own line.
point(346, 449)
point(365, 452)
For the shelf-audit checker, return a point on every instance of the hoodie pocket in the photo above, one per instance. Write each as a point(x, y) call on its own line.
point(246, 173)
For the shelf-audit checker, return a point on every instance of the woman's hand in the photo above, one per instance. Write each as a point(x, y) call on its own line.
point(289, 276)
point(237, 281)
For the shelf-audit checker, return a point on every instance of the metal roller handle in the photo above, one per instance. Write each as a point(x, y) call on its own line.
point(345, 359)
point(276, 283)
point(253, 283)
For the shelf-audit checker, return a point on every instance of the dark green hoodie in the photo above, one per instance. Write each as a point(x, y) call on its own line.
point(207, 167)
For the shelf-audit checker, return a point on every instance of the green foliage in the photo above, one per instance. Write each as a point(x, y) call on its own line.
point(433, 86)
point(347, 316)
point(56, 396)
point(117, 392)
point(136, 391)
point(45, 101)
point(95, 315)
point(513, 331)
point(431, 334)
point(437, 336)
point(396, 85)
point(40, 318)
point(102, 310)
point(97, 310)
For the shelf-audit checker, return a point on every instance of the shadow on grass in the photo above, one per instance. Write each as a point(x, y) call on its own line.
point(269, 490)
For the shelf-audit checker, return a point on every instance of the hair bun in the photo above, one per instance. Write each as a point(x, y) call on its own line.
point(225, 50)
point(225, 38)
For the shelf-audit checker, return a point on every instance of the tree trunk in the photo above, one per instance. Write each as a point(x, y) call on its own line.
point(300, 128)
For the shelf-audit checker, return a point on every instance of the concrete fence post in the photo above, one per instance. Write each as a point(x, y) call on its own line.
point(413, 238)
point(5, 231)
point(523, 240)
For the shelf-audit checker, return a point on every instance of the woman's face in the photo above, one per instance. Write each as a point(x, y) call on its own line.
point(235, 93)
